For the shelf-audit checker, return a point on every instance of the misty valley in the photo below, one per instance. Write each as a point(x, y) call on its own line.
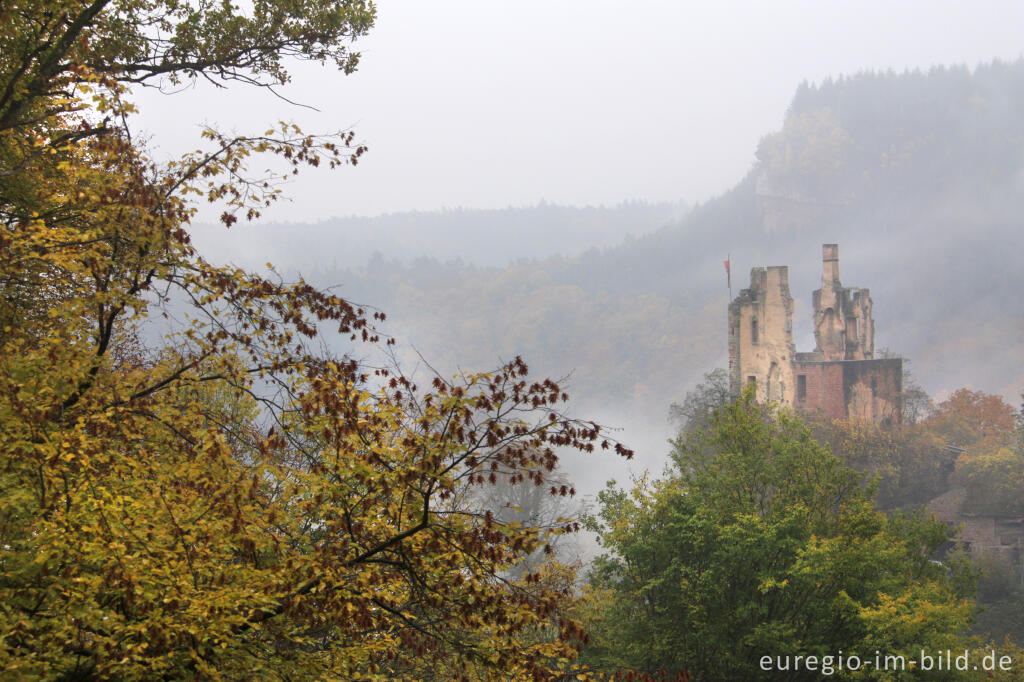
point(644, 440)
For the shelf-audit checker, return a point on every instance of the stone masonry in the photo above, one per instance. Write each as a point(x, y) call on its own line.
point(840, 377)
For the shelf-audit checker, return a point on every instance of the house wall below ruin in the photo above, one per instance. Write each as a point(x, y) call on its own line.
point(851, 389)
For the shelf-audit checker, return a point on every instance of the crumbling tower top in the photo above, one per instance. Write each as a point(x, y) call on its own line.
point(843, 326)
point(830, 264)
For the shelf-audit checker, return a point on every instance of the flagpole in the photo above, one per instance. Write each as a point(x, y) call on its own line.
point(728, 273)
point(728, 315)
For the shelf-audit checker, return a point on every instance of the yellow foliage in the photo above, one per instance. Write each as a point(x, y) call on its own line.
point(230, 503)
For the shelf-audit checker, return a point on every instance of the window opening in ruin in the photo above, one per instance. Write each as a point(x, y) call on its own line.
point(874, 386)
point(753, 330)
point(851, 328)
point(801, 387)
point(752, 379)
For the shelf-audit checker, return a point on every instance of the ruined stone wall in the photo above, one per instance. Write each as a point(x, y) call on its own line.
point(840, 378)
point(867, 389)
point(843, 325)
point(873, 390)
point(824, 382)
point(995, 537)
point(946, 507)
point(980, 531)
point(761, 346)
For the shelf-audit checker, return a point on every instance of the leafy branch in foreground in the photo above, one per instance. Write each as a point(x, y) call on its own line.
point(232, 502)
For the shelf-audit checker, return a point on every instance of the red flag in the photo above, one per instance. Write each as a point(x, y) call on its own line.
point(728, 275)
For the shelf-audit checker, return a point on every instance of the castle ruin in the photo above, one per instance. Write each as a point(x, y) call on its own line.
point(840, 377)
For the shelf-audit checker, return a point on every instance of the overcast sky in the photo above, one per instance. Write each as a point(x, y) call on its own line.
point(487, 104)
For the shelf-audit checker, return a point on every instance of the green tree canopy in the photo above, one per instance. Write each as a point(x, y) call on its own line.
point(760, 543)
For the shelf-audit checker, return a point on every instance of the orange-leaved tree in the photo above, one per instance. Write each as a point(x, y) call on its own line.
point(990, 466)
point(233, 502)
point(968, 417)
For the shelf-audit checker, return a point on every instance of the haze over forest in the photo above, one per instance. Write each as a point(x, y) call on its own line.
point(311, 447)
point(916, 175)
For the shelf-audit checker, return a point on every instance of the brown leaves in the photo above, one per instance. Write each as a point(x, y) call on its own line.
point(232, 500)
point(219, 174)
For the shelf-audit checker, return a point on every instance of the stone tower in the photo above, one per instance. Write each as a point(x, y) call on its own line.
point(840, 377)
point(761, 349)
point(843, 326)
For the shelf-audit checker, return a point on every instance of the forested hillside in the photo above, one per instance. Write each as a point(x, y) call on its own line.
point(491, 237)
point(213, 473)
point(916, 175)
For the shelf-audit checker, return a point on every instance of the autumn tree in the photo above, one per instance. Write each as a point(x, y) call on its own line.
point(233, 502)
point(967, 417)
point(761, 543)
point(915, 462)
point(990, 465)
point(909, 463)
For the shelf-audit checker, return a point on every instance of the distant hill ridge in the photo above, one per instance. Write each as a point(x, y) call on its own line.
point(484, 237)
point(917, 175)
